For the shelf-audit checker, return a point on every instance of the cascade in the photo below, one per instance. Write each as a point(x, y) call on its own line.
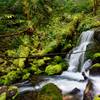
point(77, 57)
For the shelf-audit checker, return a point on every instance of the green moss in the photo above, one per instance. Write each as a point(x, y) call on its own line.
point(21, 52)
point(36, 69)
point(58, 59)
point(50, 92)
point(97, 65)
point(3, 96)
point(10, 77)
point(53, 69)
point(96, 55)
point(26, 76)
point(39, 63)
point(97, 97)
point(11, 52)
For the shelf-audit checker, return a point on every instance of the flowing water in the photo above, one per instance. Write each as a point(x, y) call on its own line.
point(77, 57)
point(73, 78)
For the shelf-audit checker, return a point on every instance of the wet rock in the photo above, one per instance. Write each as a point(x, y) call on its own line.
point(73, 95)
point(88, 92)
point(75, 91)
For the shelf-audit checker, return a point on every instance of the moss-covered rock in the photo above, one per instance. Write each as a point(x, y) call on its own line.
point(8, 92)
point(97, 97)
point(96, 58)
point(95, 69)
point(38, 65)
point(58, 59)
point(97, 65)
point(96, 55)
point(3, 96)
point(54, 69)
point(50, 92)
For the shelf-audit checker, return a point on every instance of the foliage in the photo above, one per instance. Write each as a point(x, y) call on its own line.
point(22, 52)
point(87, 23)
point(76, 6)
point(60, 38)
point(22, 40)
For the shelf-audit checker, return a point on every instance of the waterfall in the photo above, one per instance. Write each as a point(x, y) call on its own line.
point(77, 57)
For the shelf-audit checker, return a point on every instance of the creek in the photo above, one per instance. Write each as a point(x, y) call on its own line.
point(77, 75)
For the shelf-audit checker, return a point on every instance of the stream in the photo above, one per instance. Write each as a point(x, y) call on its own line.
point(77, 75)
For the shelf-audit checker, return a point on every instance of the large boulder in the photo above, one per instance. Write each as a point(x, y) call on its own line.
point(50, 92)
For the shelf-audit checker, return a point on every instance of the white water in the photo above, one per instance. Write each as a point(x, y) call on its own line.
point(72, 79)
point(77, 59)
